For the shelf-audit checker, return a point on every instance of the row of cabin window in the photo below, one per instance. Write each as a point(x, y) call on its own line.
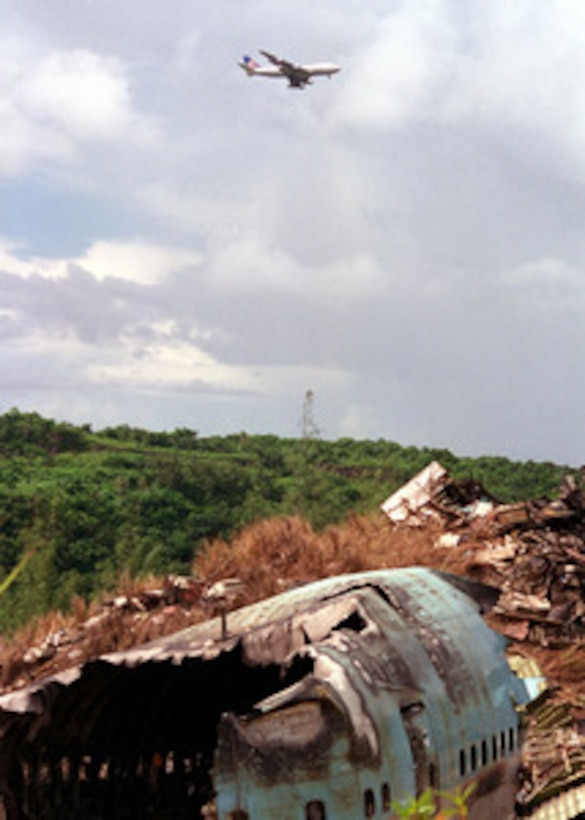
point(479, 754)
point(316, 810)
point(505, 744)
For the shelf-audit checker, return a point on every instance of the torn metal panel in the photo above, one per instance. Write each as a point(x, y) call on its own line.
point(416, 493)
point(432, 493)
point(568, 805)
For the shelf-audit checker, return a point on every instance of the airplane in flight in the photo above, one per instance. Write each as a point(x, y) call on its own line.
point(298, 76)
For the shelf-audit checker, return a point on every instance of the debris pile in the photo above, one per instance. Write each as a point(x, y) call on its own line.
point(121, 622)
point(533, 551)
point(553, 771)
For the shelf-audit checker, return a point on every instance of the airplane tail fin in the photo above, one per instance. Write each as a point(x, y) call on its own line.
point(249, 64)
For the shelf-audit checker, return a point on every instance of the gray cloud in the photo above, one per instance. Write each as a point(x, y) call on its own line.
point(404, 239)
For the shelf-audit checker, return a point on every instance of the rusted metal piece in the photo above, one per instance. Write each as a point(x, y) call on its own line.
point(335, 698)
point(553, 763)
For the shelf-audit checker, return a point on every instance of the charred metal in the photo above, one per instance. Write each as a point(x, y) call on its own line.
point(330, 700)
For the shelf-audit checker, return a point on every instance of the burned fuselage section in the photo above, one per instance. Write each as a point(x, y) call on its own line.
point(329, 701)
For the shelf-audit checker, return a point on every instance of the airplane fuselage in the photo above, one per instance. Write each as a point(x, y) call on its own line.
point(297, 75)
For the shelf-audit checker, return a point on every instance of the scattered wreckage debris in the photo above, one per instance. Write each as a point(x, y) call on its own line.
point(121, 622)
point(534, 553)
point(328, 700)
point(553, 769)
point(433, 494)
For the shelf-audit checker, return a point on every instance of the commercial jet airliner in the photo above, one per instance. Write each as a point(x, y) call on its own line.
point(298, 76)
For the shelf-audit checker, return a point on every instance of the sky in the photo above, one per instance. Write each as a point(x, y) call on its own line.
point(185, 246)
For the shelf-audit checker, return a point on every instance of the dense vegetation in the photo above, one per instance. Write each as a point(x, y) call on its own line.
point(79, 508)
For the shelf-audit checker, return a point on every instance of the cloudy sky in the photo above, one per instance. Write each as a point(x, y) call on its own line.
point(181, 245)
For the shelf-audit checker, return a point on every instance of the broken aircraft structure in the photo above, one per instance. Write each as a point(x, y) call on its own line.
point(332, 700)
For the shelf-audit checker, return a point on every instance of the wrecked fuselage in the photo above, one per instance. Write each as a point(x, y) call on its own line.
point(329, 701)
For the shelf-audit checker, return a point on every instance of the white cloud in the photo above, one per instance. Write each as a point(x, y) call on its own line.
point(509, 69)
point(171, 364)
point(136, 261)
point(11, 260)
point(168, 365)
point(132, 260)
point(55, 102)
point(82, 93)
point(547, 284)
point(25, 143)
point(249, 263)
point(399, 76)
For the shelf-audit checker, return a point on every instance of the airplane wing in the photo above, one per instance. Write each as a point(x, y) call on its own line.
point(284, 64)
point(296, 74)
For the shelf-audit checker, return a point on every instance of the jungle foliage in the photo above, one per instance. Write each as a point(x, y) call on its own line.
point(79, 508)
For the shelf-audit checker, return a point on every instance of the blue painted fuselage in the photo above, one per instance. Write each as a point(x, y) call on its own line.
point(405, 689)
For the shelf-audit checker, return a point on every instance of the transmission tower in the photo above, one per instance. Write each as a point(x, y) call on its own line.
point(309, 426)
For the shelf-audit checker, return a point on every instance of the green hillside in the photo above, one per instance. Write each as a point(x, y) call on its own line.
point(78, 508)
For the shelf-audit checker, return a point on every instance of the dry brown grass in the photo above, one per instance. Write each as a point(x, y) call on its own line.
point(279, 553)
